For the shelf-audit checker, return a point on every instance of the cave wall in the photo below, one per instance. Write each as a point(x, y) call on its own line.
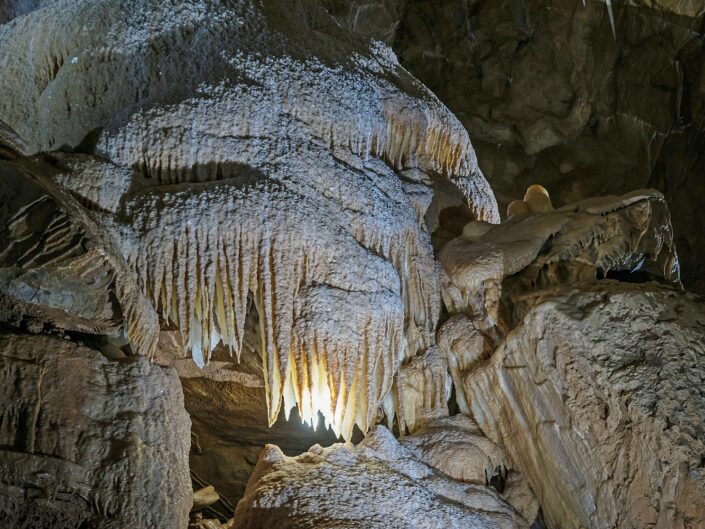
point(613, 404)
point(237, 147)
point(549, 96)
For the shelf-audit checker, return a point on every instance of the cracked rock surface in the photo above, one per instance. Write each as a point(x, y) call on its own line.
point(549, 96)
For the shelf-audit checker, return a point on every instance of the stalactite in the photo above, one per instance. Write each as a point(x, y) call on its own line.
point(332, 313)
point(281, 118)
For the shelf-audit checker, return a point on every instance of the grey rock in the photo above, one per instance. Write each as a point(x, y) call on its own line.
point(89, 442)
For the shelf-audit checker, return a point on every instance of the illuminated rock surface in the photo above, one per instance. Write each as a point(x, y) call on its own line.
point(319, 224)
point(378, 484)
point(261, 200)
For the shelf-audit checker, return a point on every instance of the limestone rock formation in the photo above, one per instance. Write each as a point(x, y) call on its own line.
point(378, 484)
point(376, 19)
point(204, 497)
point(89, 442)
point(591, 386)
point(228, 408)
point(421, 392)
point(10, 143)
point(597, 396)
point(631, 233)
point(10, 9)
point(253, 212)
point(457, 447)
point(286, 169)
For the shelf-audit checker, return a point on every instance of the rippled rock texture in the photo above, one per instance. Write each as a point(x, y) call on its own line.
point(598, 396)
point(591, 385)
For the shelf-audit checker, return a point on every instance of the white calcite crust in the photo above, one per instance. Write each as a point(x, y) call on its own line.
point(377, 485)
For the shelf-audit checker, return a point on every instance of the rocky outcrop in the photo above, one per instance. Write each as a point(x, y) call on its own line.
point(421, 391)
point(629, 234)
point(589, 384)
point(253, 161)
point(597, 397)
point(457, 447)
point(10, 143)
point(587, 98)
point(377, 485)
point(89, 442)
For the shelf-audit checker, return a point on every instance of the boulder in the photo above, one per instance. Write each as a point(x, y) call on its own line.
point(89, 442)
